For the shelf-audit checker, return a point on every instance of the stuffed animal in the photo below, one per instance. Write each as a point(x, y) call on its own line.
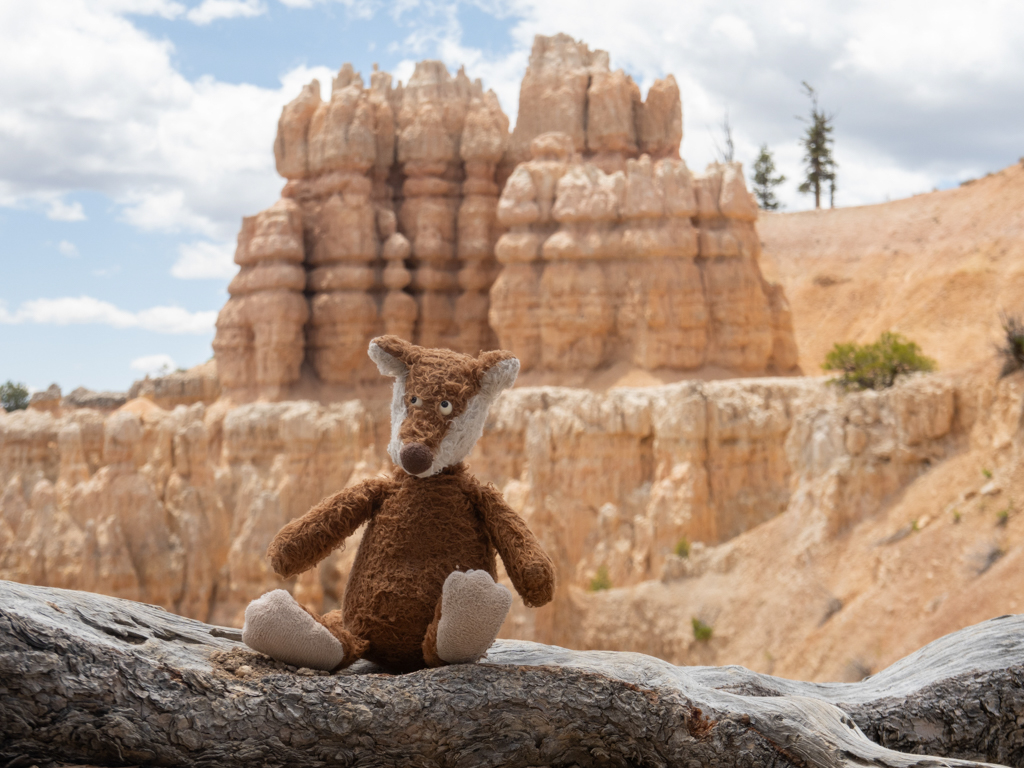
point(421, 592)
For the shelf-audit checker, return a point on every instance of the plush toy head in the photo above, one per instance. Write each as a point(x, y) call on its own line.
point(440, 400)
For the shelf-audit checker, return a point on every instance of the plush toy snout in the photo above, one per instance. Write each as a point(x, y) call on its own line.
point(416, 458)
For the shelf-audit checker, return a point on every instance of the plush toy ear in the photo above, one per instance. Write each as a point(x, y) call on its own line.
point(498, 371)
point(393, 355)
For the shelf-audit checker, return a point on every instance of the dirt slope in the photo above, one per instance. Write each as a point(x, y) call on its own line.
point(936, 267)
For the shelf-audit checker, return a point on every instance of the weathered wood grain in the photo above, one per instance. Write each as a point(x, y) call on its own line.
point(88, 678)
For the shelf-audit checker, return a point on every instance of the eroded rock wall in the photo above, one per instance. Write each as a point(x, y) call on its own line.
point(648, 265)
point(386, 225)
point(176, 507)
point(390, 223)
point(615, 251)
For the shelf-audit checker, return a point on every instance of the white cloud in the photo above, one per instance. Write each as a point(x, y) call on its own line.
point(735, 32)
point(403, 71)
point(153, 364)
point(164, 211)
point(165, 8)
point(68, 248)
point(90, 101)
point(203, 259)
point(357, 9)
point(88, 310)
point(212, 10)
point(61, 211)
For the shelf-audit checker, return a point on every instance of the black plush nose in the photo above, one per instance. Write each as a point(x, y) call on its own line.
point(416, 458)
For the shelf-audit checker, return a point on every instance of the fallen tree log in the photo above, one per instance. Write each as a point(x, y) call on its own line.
point(89, 678)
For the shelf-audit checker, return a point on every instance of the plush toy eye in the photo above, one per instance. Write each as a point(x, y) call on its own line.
point(414, 401)
point(444, 407)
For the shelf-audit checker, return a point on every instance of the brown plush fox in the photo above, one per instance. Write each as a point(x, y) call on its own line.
point(421, 592)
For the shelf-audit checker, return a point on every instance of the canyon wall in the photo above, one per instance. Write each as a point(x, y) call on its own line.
point(849, 578)
point(390, 222)
point(176, 507)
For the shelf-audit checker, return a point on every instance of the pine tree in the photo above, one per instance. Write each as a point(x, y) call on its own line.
point(764, 182)
point(13, 396)
point(820, 166)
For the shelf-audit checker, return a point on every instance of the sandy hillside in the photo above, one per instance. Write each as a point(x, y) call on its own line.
point(936, 267)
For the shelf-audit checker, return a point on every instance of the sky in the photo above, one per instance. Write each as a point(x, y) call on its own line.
point(135, 134)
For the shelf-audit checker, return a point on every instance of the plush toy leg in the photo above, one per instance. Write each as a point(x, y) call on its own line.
point(278, 626)
point(469, 615)
point(355, 647)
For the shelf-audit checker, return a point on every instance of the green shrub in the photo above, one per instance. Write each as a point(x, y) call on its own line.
point(701, 631)
point(1003, 515)
point(601, 580)
point(876, 365)
point(682, 547)
point(13, 397)
point(1013, 346)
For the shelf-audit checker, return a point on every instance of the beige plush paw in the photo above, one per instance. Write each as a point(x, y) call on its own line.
point(276, 625)
point(473, 608)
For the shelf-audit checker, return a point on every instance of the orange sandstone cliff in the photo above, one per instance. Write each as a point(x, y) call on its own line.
point(579, 241)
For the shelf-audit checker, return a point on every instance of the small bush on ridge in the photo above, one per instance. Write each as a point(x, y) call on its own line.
point(701, 631)
point(876, 365)
point(682, 547)
point(601, 580)
point(1013, 349)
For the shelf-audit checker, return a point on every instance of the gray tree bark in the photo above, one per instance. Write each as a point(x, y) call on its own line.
point(86, 678)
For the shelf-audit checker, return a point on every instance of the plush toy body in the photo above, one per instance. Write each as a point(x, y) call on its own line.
point(421, 591)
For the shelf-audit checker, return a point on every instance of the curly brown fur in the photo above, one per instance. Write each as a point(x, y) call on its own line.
point(430, 657)
point(419, 529)
point(529, 567)
point(355, 647)
point(425, 530)
point(305, 542)
point(436, 375)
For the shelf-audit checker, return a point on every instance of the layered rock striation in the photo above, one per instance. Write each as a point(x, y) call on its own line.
point(386, 225)
point(390, 222)
point(615, 251)
point(177, 507)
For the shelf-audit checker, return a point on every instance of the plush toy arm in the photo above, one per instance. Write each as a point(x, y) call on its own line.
point(306, 541)
point(529, 567)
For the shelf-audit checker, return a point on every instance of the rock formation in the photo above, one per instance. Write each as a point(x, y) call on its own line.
point(386, 225)
point(570, 89)
point(93, 679)
point(615, 251)
point(390, 219)
point(48, 399)
point(259, 331)
point(199, 384)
